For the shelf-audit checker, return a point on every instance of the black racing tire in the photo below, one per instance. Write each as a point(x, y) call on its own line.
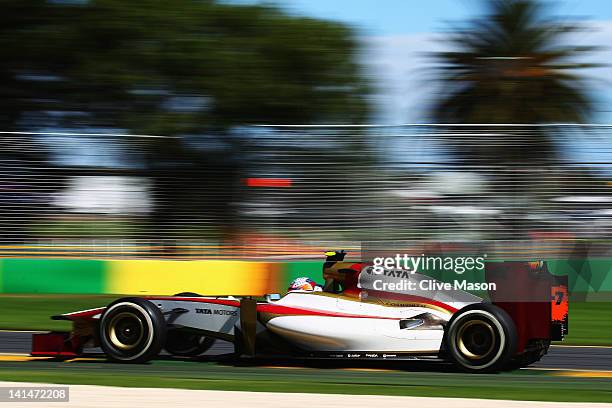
point(481, 338)
point(184, 344)
point(132, 330)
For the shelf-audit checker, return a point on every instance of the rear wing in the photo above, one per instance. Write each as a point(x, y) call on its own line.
point(536, 300)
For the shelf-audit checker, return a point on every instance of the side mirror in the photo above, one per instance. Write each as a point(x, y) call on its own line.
point(272, 297)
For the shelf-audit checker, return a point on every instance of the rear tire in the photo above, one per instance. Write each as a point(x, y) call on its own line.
point(183, 344)
point(132, 330)
point(481, 338)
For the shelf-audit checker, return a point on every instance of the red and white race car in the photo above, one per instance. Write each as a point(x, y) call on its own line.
point(348, 319)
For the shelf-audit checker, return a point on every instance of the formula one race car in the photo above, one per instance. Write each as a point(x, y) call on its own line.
point(349, 318)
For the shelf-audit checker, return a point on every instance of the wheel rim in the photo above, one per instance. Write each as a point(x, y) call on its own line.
point(126, 331)
point(476, 339)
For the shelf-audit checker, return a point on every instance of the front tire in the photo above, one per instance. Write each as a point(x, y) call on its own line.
point(481, 338)
point(132, 330)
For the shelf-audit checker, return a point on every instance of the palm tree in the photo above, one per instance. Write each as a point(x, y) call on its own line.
point(511, 66)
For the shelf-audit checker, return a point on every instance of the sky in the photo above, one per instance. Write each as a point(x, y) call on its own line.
point(400, 17)
point(397, 33)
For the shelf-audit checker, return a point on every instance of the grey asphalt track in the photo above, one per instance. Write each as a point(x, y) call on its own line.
point(558, 357)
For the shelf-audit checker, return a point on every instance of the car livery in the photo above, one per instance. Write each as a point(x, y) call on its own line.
point(351, 318)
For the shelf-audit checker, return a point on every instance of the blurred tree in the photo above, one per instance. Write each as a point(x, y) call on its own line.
point(176, 68)
point(511, 66)
point(169, 68)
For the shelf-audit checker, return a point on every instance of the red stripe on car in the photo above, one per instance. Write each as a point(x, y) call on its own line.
point(226, 302)
point(293, 311)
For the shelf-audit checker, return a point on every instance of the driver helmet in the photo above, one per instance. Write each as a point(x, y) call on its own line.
point(304, 284)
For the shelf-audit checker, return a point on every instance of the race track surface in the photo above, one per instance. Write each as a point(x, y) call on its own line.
point(558, 357)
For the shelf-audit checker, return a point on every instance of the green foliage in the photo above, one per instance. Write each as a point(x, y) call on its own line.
point(176, 68)
point(172, 67)
point(513, 65)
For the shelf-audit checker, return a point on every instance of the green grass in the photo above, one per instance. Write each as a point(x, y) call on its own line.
point(206, 375)
point(590, 323)
point(32, 312)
